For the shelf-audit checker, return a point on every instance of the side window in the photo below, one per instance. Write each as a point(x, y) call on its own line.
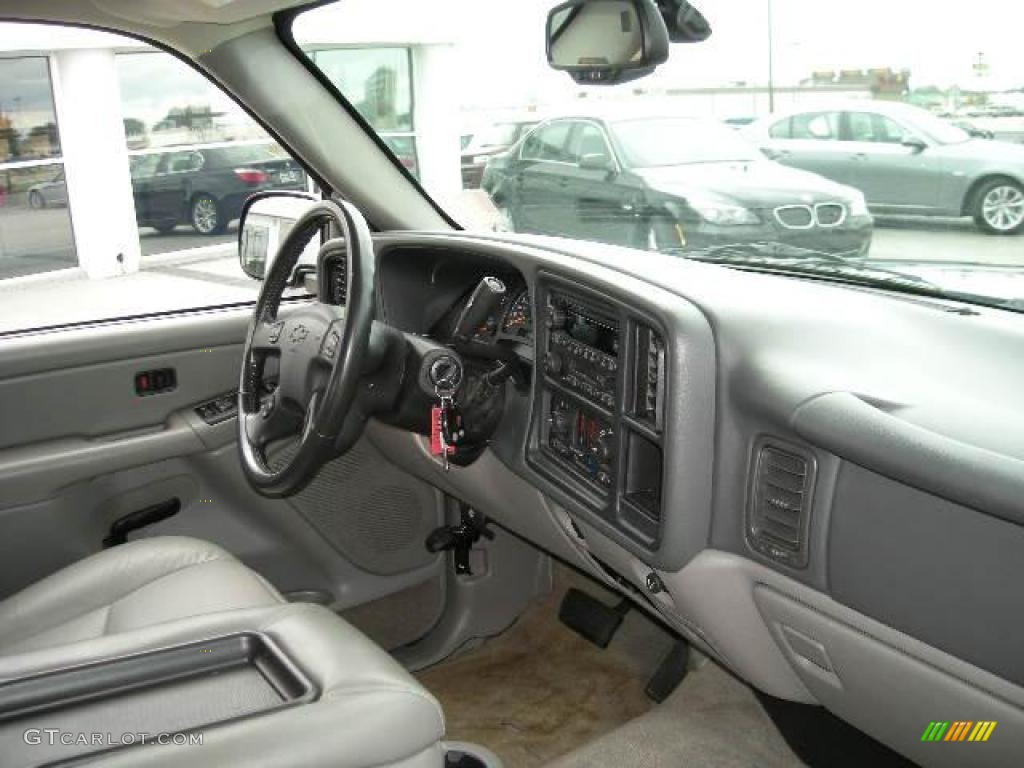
point(823, 126)
point(888, 130)
point(782, 129)
point(548, 143)
point(860, 126)
point(589, 140)
point(122, 141)
point(870, 126)
point(185, 162)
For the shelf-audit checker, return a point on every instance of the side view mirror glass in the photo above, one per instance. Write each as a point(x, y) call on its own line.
point(266, 219)
point(603, 42)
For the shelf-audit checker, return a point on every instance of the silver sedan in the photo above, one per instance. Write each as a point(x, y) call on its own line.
point(904, 159)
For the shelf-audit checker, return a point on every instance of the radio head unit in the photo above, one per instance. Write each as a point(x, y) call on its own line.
point(582, 351)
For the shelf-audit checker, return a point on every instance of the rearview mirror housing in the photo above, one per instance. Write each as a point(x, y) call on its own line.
point(604, 42)
point(266, 219)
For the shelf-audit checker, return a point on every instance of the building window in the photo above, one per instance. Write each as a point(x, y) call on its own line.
point(35, 227)
point(378, 83)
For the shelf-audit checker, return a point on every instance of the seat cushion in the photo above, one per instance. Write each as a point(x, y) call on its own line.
point(135, 585)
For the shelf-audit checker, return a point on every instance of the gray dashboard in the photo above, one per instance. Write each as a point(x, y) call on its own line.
point(903, 418)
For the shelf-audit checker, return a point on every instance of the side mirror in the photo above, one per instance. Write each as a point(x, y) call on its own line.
point(596, 161)
point(266, 219)
point(914, 143)
point(604, 42)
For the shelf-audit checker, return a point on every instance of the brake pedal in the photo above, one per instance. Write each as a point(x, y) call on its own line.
point(670, 672)
point(591, 618)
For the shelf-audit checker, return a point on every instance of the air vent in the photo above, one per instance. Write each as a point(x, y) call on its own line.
point(650, 376)
point(779, 514)
point(339, 281)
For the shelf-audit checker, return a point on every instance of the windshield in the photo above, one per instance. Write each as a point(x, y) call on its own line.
point(814, 128)
point(941, 131)
point(674, 141)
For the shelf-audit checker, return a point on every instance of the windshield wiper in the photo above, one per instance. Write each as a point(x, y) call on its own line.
point(782, 258)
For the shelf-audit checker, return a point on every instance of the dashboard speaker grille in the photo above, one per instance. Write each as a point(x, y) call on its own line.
point(779, 513)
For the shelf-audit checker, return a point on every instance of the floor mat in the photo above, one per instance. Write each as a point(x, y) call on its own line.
point(539, 690)
point(711, 720)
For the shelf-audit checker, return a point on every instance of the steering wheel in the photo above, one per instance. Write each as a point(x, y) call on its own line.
point(320, 349)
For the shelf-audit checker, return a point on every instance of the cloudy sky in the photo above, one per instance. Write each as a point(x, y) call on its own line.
point(500, 42)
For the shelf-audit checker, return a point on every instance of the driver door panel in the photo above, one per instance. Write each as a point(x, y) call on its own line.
point(79, 448)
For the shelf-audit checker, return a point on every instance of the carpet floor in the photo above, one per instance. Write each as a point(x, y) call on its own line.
point(539, 690)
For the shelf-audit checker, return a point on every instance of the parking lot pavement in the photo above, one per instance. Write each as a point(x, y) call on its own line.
point(943, 240)
point(181, 238)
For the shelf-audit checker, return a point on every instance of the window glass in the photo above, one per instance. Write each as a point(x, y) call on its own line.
point(35, 227)
point(661, 142)
point(589, 140)
point(165, 160)
point(548, 143)
point(815, 125)
point(28, 124)
point(381, 77)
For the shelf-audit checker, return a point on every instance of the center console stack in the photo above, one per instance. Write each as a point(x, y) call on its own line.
point(600, 402)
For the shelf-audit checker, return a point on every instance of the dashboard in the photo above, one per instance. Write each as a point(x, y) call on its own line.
point(771, 464)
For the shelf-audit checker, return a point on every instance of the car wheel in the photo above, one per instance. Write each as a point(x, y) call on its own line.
point(1000, 207)
point(36, 200)
point(205, 215)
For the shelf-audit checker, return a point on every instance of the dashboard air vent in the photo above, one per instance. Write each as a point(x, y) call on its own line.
point(649, 390)
point(339, 281)
point(780, 504)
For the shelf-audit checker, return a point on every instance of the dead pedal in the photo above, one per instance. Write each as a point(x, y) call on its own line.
point(589, 617)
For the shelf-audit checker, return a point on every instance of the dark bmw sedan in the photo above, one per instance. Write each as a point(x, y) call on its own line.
point(669, 184)
point(206, 186)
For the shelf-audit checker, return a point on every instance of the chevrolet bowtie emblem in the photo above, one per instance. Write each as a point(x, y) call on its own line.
point(298, 334)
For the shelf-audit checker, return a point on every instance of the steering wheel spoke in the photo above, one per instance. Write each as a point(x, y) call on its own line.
point(275, 420)
point(266, 337)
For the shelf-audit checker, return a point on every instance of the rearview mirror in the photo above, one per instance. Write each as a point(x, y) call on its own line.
point(266, 220)
point(603, 42)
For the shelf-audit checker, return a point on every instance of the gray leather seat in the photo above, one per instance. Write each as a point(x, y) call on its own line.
point(161, 592)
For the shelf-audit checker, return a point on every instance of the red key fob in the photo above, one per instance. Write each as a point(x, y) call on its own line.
point(435, 431)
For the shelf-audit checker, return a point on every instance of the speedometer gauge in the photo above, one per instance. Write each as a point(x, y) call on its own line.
point(518, 320)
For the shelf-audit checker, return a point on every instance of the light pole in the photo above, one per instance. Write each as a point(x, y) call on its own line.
point(771, 62)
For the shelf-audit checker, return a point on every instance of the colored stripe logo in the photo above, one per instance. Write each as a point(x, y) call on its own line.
point(959, 730)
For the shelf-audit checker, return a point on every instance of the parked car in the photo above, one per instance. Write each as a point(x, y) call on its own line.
point(49, 193)
point(488, 142)
point(672, 184)
point(904, 159)
point(972, 130)
point(206, 186)
point(739, 122)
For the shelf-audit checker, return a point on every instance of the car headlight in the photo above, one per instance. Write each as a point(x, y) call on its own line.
point(858, 205)
point(725, 215)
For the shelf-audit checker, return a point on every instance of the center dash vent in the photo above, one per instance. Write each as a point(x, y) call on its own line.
point(780, 503)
